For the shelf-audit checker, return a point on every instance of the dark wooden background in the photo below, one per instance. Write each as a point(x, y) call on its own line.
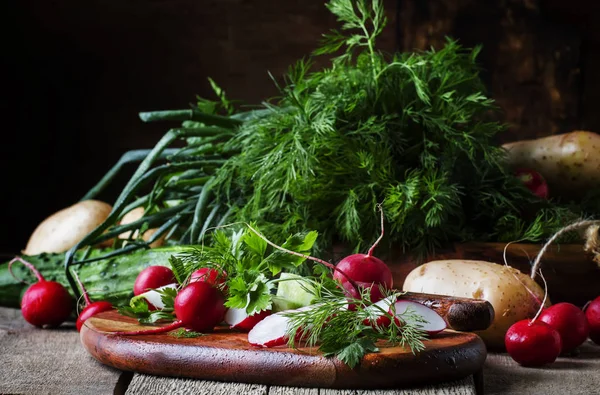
point(77, 73)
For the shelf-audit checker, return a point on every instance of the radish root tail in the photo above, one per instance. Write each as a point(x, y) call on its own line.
point(568, 228)
point(155, 331)
point(84, 292)
point(28, 265)
point(370, 253)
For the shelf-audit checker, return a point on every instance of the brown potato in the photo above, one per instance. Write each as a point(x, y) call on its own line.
point(65, 228)
point(569, 162)
point(134, 215)
point(504, 287)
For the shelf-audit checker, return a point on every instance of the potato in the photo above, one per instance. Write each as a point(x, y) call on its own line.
point(134, 215)
point(569, 162)
point(65, 228)
point(498, 284)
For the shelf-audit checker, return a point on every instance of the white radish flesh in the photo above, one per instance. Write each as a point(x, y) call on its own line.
point(154, 298)
point(270, 332)
point(434, 322)
point(239, 319)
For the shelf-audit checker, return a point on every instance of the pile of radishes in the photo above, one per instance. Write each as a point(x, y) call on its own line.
point(558, 329)
point(199, 305)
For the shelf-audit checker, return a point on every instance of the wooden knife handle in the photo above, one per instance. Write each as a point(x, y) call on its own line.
point(461, 314)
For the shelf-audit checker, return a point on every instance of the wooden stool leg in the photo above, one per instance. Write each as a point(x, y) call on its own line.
point(478, 379)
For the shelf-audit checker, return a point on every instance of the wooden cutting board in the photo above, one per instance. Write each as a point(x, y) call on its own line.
point(225, 355)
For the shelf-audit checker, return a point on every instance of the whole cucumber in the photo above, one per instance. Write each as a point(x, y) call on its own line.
point(107, 279)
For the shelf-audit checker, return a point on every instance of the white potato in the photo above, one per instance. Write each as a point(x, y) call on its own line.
point(504, 287)
point(134, 215)
point(65, 228)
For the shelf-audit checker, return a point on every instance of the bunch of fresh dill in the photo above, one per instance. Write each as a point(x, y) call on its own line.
point(407, 130)
point(410, 131)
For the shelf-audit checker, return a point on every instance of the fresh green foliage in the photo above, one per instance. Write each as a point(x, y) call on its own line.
point(247, 263)
point(411, 131)
point(182, 333)
point(408, 130)
point(346, 333)
point(138, 308)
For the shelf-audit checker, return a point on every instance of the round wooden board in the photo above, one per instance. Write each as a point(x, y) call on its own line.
point(226, 356)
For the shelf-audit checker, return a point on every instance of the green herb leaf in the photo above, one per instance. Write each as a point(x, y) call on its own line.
point(352, 354)
point(182, 333)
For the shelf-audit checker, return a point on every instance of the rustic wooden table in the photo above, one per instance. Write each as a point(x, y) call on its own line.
point(34, 361)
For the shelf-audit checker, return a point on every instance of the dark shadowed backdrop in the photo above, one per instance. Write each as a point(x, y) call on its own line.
point(76, 74)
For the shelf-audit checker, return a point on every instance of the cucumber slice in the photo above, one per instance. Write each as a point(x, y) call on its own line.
point(292, 293)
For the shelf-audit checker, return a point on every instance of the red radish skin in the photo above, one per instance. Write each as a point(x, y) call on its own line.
point(238, 319)
point(91, 310)
point(45, 303)
point(209, 275)
point(198, 307)
point(153, 277)
point(534, 181)
point(592, 314)
point(569, 321)
point(366, 271)
point(533, 343)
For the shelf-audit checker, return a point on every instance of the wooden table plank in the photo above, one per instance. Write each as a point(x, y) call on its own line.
point(143, 384)
point(577, 375)
point(275, 390)
point(147, 384)
point(48, 361)
point(459, 387)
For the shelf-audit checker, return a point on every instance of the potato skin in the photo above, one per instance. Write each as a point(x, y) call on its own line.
point(498, 284)
point(65, 228)
point(134, 215)
point(569, 162)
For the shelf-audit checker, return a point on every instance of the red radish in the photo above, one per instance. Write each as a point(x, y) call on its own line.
point(153, 277)
point(434, 322)
point(533, 343)
point(154, 298)
point(240, 320)
point(592, 313)
point(45, 303)
point(209, 275)
point(569, 321)
point(534, 181)
point(270, 332)
point(198, 307)
point(366, 271)
point(379, 310)
point(91, 308)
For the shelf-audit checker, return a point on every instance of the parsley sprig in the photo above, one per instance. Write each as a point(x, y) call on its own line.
point(247, 263)
point(138, 308)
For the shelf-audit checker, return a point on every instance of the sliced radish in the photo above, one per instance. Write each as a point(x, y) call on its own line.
point(270, 332)
point(435, 323)
point(154, 299)
point(375, 310)
point(240, 320)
